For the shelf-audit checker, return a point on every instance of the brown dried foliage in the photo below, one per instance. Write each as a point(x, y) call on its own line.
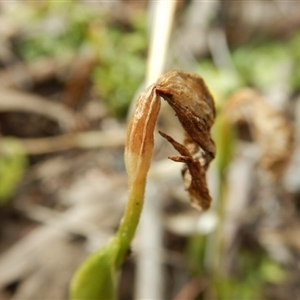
point(193, 104)
point(269, 127)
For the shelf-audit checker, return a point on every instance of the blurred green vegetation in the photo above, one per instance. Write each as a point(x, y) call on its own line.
point(253, 269)
point(122, 63)
point(270, 63)
point(56, 30)
point(261, 65)
point(13, 163)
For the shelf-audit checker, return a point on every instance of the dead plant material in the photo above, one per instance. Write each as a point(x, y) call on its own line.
point(269, 127)
point(79, 140)
point(193, 104)
point(78, 81)
point(16, 101)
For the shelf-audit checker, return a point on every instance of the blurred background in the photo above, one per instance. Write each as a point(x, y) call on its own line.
point(69, 71)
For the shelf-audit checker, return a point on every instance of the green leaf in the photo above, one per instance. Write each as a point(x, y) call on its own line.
point(96, 279)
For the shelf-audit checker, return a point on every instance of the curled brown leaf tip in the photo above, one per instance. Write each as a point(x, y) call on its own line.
point(270, 128)
point(194, 106)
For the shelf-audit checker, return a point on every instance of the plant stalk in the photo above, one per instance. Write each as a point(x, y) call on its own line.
point(130, 219)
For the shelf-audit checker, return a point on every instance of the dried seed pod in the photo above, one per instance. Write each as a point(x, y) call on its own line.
point(270, 128)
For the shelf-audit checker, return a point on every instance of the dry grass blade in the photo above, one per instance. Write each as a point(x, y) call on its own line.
point(12, 100)
point(83, 140)
point(270, 128)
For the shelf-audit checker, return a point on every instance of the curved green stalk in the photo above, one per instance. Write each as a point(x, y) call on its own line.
point(130, 220)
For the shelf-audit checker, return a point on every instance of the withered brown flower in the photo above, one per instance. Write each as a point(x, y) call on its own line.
point(193, 104)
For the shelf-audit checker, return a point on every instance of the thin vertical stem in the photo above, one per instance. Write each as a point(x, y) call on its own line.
point(163, 17)
point(130, 219)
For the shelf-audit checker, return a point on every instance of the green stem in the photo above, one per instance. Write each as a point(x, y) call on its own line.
point(97, 276)
point(130, 219)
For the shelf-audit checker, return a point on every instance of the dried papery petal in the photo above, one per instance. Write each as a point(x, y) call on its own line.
point(270, 128)
point(140, 141)
point(188, 95)
point(193, 104)
point(193, 175)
